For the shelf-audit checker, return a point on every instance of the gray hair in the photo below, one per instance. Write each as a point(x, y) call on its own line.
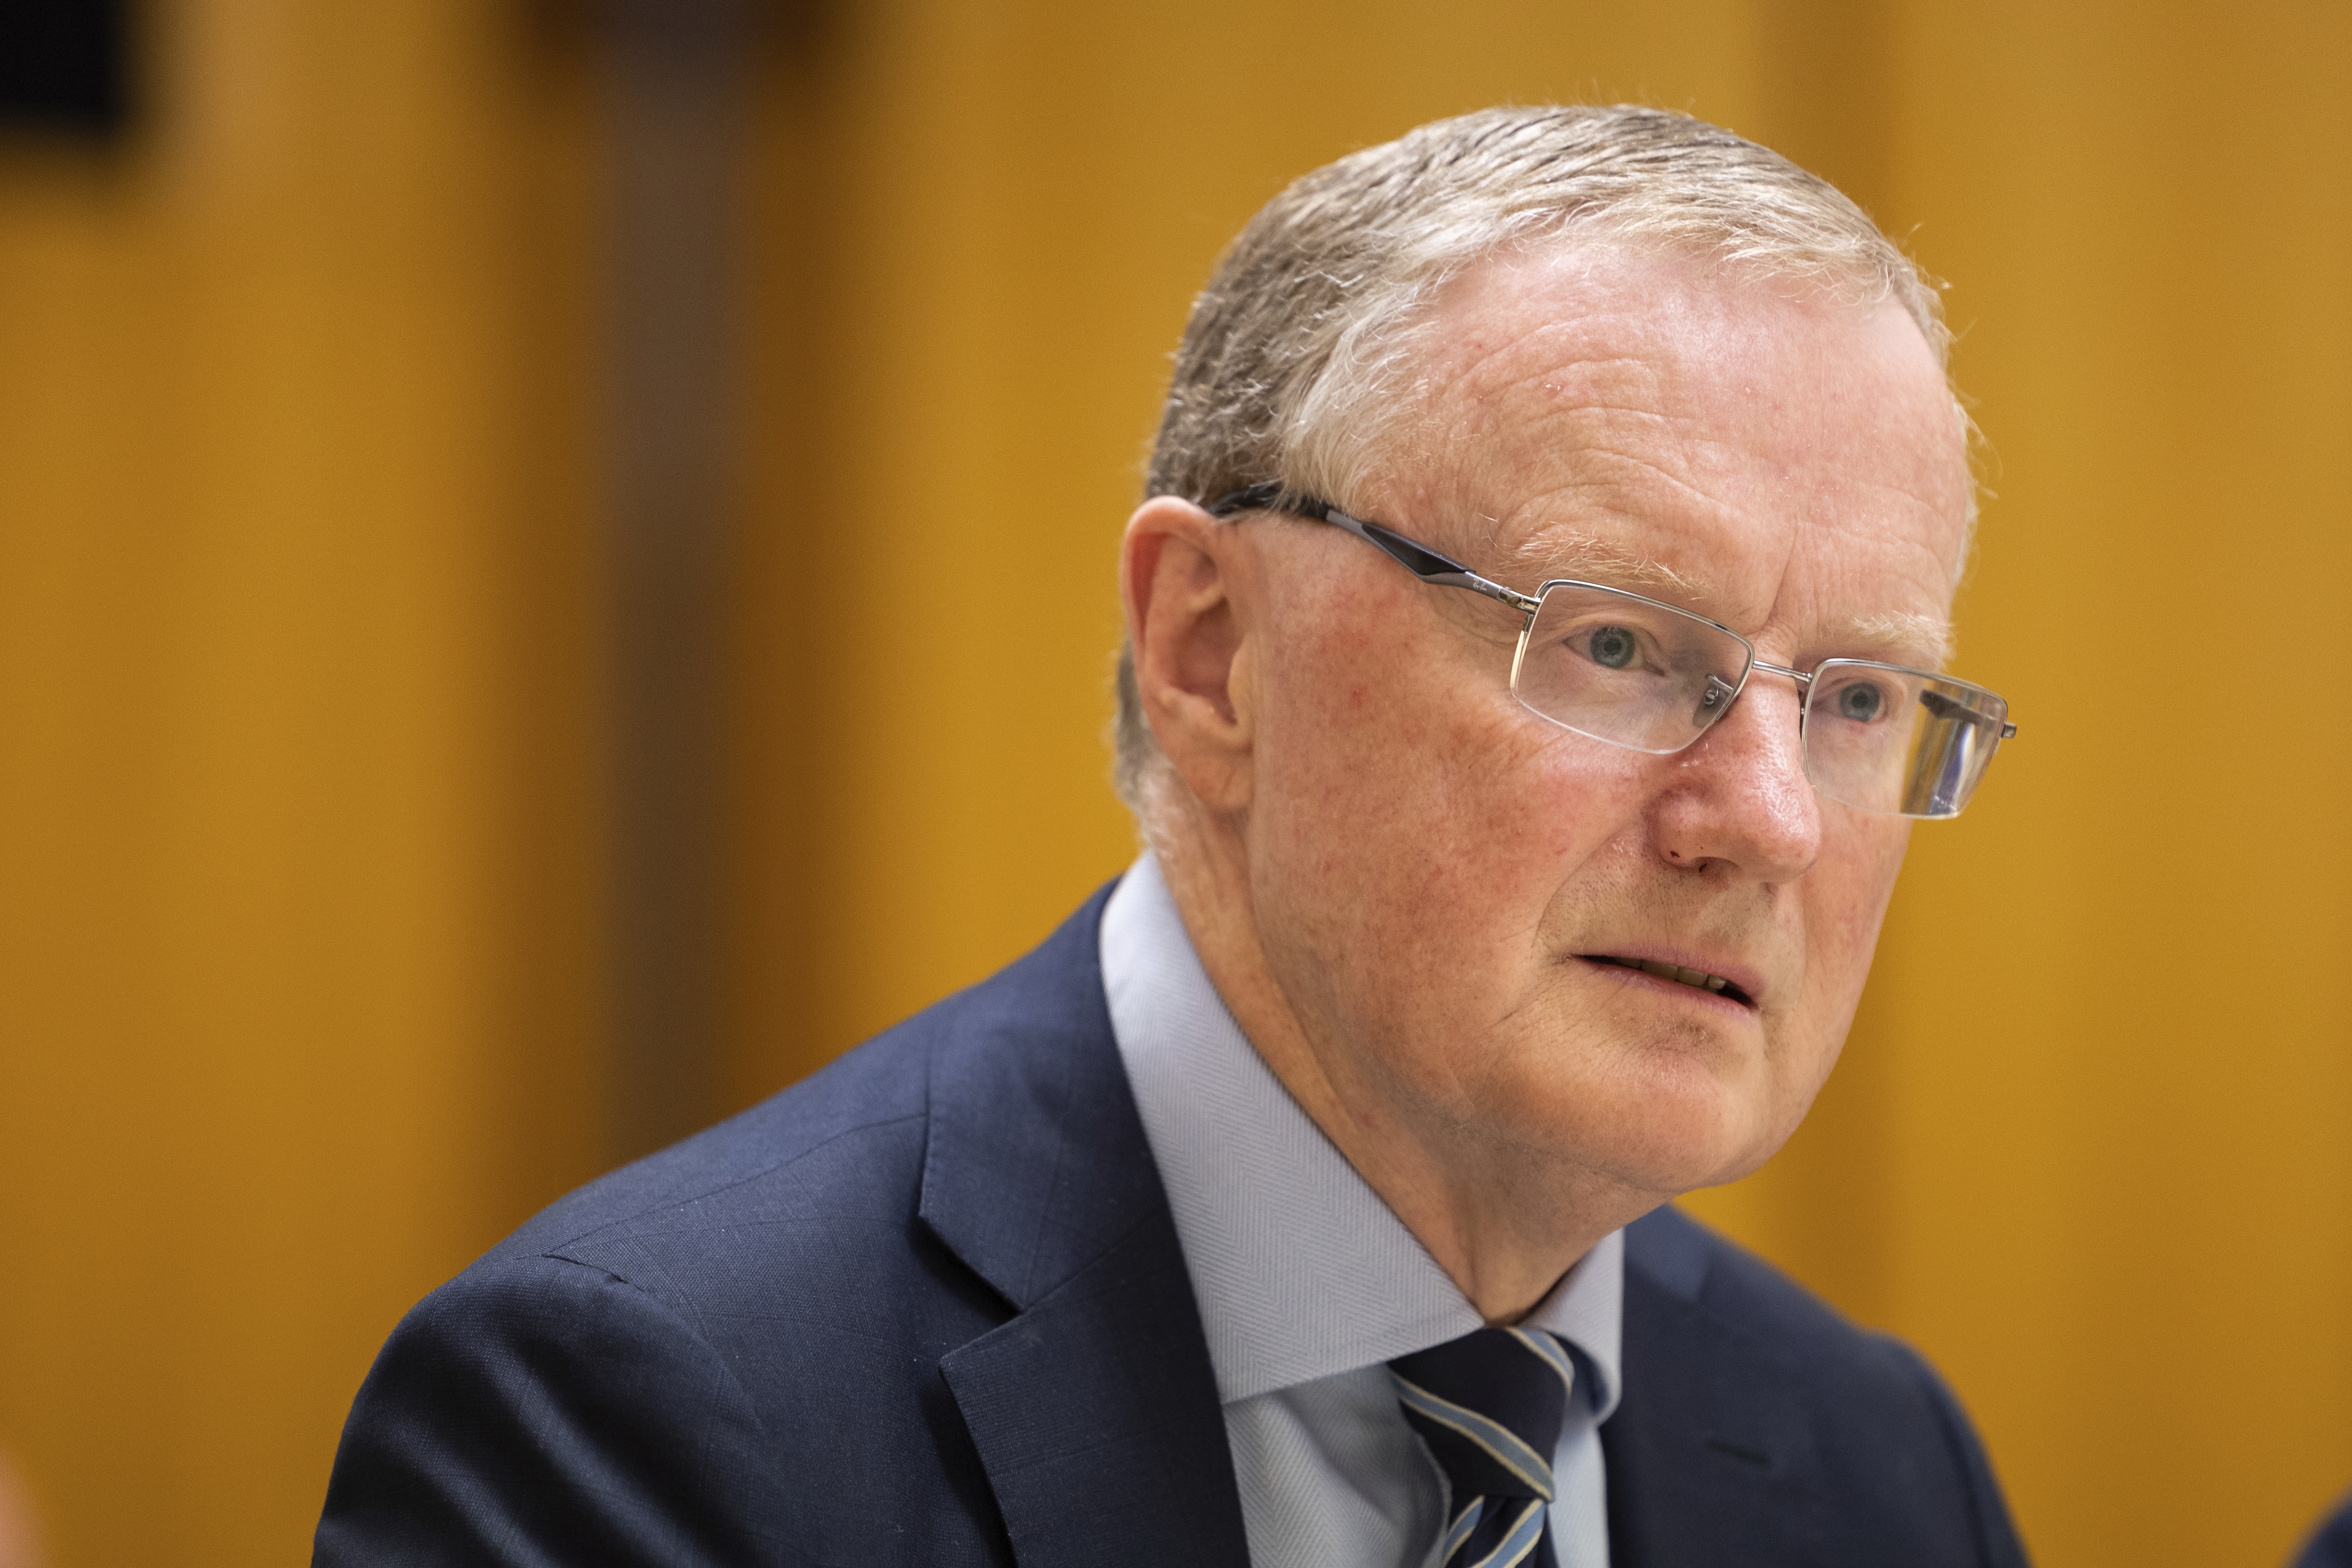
point(1293, 355)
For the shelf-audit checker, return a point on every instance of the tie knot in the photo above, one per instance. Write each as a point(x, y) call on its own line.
point(1489, 1405)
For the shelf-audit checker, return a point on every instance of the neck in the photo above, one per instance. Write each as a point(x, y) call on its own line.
point(1505, 1222)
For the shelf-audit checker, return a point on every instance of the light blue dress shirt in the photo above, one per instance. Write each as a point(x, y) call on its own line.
point(1308, 1284)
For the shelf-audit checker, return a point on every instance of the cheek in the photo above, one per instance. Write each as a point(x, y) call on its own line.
point(1412, 739)
point(1438, 823)
point(1845, 900)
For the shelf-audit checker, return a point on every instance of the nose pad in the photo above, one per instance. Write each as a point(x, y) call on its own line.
point(1713, 702)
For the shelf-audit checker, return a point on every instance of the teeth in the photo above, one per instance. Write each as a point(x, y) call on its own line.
point(1698, 977)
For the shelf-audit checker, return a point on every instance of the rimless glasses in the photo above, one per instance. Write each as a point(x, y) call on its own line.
point(1646, 676)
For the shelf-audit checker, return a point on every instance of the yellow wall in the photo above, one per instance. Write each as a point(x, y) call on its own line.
point(292, 698)
point(300, 906)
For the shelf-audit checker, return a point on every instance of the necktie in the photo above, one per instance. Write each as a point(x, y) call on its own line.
point(1489, 1405)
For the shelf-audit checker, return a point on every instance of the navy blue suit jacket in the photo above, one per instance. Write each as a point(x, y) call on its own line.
point(2331, 1546)
point(929, 1307)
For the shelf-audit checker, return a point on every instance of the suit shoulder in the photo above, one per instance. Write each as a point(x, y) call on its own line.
point(841, 1154)
point(1775, 1371)
point(842, 1138)
point(1861, 1379)
point(843, 1132)
point(479, 1433)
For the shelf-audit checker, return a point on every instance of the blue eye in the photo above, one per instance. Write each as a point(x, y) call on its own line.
point(1861, 702)
point(1612, 648)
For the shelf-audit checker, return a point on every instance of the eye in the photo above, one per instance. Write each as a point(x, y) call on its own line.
point(1861, 703)
point(1613, 648)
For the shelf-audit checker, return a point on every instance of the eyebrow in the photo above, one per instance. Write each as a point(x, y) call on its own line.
point(1557, 553)
point(1925, 642)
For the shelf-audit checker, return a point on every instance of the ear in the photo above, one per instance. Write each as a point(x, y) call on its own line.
point(1177, 572)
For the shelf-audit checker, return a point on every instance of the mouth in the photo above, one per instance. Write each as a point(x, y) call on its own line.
point(1696, 979)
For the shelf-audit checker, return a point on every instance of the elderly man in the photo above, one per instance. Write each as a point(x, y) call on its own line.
point(1536, 632)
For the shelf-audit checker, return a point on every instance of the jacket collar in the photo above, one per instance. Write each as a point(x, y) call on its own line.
point(1094, 1409)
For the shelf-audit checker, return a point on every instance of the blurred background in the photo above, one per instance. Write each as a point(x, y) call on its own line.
point(556, 571)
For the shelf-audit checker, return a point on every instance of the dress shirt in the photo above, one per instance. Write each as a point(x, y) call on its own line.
point(1308, 1284)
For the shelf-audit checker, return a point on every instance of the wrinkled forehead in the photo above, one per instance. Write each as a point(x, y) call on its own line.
point(1772, 457)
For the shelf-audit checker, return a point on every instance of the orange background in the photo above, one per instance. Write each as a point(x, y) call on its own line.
point(304, 842)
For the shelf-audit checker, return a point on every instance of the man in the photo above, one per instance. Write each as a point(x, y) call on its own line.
point(1533, 628)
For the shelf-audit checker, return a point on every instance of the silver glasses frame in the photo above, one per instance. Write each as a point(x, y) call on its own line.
point(1443, 571)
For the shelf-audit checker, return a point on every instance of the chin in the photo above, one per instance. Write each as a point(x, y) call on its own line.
point(1688, 1131)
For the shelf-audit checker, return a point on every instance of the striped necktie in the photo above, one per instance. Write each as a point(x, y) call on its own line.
point(1489, 1405)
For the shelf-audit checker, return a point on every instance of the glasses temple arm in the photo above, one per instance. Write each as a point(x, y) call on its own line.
point(1418, 558)
point(1943, 706)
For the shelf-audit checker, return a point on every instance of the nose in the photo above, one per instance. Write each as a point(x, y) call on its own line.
point(1738, 798)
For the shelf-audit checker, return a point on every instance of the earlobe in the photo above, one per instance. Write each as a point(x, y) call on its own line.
point(1177, 574)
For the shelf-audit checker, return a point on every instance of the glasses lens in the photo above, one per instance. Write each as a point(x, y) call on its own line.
point(1617, 667)
point(1889, 738)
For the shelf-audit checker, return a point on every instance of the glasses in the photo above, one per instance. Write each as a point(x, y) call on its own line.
point(1646, 676)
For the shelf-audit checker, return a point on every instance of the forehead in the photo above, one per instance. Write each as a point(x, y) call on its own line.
point(1789, 464)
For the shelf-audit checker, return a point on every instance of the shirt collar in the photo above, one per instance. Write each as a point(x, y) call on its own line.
point(1300, 1271)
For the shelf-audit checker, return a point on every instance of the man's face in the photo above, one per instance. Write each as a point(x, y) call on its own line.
point(1436, 871)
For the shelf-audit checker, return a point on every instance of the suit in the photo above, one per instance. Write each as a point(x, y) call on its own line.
point(930, 1307)
point(2331, 1546)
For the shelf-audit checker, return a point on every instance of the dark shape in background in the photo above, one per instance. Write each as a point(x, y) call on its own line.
point(64, 65)
point(679, 81)
point(675, 122)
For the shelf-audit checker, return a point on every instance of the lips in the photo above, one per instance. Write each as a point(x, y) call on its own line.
point(1697, 979)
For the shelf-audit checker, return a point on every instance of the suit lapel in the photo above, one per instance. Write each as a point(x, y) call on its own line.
point(1094, 1409)
point(1712, 1456)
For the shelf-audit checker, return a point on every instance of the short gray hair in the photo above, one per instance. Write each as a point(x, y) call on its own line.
point(1294, 352)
